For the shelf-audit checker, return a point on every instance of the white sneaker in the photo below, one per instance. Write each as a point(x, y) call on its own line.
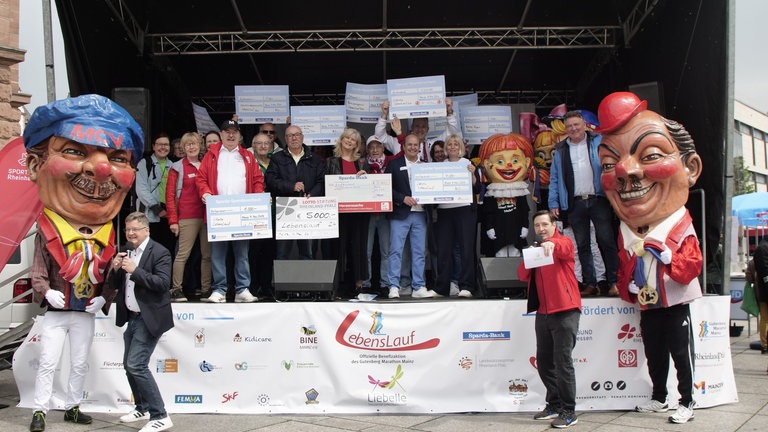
point(454, 289)
point(215, 297)
point(683, 414)
point(652, 406)
point(465, 294)
point(245, 297)
point(162, 424)
point(394, 292)
point(134, 416)
point(423, 292)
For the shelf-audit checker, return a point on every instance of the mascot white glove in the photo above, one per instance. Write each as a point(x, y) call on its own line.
point(55, 298)
point(523, 232)
point(95, 304)
point(491, 233)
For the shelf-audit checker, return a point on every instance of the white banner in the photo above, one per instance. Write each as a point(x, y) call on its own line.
point(406, 357)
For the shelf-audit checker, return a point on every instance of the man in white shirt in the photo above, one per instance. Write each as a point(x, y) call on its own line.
point(419, 128)
point(229, 169)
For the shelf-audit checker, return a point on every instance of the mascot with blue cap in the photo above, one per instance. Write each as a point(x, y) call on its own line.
point(81, 153)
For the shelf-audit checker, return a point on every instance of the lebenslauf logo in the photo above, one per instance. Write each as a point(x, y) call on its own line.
point(379, 341)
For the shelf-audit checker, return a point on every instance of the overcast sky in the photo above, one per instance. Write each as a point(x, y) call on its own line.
point(751, 59)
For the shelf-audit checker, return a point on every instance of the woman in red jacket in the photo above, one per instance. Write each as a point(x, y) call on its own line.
point(186, 215)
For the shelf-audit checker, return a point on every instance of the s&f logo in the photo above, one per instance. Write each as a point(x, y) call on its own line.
point(226, 397)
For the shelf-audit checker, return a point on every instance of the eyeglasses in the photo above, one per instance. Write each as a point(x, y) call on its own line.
point(294, 135)
point(134, 230)
point(271, 132)
point(262, 143)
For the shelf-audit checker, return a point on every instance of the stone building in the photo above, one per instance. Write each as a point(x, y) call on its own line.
point(11, 96)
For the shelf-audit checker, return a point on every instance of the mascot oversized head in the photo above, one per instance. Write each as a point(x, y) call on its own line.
point(506, 162)
point(649, 163)
point(81, 152)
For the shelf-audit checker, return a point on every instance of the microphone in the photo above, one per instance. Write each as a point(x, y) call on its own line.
point(127, 247)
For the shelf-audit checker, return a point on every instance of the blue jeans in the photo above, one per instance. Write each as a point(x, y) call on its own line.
point(139, 345)
point(219, 265)
point(378, 222)
point(414, 227)
point(599, 211)
point(284, 249)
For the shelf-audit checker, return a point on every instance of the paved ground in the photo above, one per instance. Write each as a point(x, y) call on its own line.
point(750, 414)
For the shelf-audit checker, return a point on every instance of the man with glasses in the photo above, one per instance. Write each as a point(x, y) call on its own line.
point(141, 275)
point(81, 153)
point(151, 180)
point(295, 171)
point(229, 169)
point(268, 129)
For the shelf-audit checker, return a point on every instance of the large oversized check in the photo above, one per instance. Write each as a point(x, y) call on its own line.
point(321, 124)
point(366, 193)
point(363, 102)
point(238, 217)
point(306, 218)
point(416, 97)
point(441, 183)
point(261, 104)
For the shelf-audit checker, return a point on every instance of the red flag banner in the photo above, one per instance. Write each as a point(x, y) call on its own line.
point(19, 203)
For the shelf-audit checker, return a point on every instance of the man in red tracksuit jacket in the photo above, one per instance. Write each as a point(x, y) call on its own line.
point(553, 292)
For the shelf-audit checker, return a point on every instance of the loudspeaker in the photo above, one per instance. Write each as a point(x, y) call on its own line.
point(652, 92)
point(136, 100)
point(499, 275)
point(305, 275)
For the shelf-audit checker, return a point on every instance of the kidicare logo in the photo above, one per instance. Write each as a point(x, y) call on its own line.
point(378, 341)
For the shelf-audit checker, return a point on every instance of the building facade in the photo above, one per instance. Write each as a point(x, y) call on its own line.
point(750, 143)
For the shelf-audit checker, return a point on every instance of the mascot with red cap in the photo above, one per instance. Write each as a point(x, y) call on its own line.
point(81, 152)
point(649, 163)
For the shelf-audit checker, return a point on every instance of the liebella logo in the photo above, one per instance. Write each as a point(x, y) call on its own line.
point(379, 342)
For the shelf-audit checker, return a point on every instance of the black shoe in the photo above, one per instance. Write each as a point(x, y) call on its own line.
point(74, 415)
point(565, 420)
point(177, 296)
point(38, 422)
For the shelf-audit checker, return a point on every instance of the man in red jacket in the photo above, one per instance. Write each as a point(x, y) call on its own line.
point(553, 292)
point(229, 169)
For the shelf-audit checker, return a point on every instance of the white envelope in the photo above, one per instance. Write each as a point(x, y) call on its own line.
point(534, 257)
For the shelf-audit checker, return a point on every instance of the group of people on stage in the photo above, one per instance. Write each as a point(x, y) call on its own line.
point(85, 153)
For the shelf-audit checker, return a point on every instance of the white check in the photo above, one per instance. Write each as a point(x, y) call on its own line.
point(363, 194)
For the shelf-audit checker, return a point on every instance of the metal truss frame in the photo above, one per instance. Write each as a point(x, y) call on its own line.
point(385, 40)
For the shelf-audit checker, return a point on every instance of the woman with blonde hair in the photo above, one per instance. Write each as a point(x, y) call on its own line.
point(186, 215)
point(350, 248)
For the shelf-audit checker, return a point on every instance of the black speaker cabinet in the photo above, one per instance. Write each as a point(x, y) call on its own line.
point(498, 277)
point(136, 100)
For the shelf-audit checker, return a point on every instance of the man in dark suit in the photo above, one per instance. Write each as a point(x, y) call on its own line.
point(407, 220)
point(140, 282)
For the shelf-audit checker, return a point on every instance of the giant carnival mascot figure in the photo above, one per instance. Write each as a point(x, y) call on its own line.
point(649, 163)
point(506, 162)
point(81, 153)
